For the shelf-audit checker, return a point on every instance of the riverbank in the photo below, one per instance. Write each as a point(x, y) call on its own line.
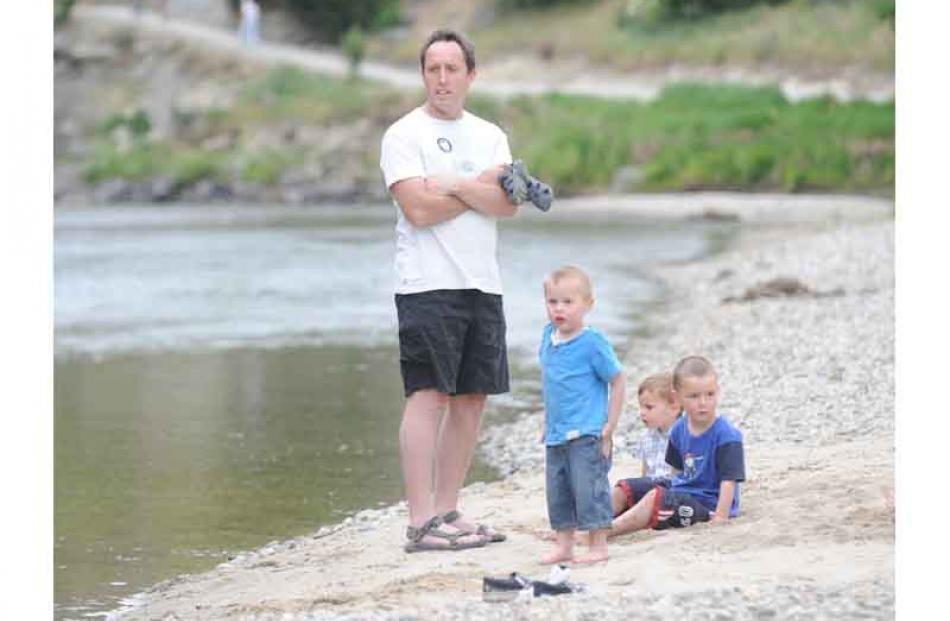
point(818, 424)
point(145, 112)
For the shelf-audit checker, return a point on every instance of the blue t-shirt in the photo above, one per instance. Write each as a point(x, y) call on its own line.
point(704, 461)
point(576, 375)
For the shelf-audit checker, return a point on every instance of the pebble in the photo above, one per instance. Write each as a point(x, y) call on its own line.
point(796, 369)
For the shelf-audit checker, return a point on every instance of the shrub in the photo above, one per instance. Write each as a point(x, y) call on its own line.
point(333, 18)
point(354, 47)
point(537, 4)
point(61, 11)
point(652, 12)
point(886, 10)
point(107, 162)
point(264, 167)
point(138, 123)
point(192, 166)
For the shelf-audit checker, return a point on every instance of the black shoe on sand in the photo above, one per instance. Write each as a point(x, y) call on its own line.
point(505, 589)
point(515, 585)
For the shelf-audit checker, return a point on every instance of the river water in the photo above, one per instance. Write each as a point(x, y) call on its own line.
point(228, 376)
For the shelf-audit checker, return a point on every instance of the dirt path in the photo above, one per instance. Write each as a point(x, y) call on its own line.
point(499, 79)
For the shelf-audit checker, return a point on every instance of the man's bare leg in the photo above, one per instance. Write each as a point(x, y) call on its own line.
point(418, 448)
point(636, 518)
point(456, 448)
point(418, 435)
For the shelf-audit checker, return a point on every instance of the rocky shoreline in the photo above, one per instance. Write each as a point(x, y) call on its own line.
point(809, 380)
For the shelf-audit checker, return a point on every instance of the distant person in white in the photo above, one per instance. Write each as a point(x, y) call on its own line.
point(441, 165)
point(250, 27)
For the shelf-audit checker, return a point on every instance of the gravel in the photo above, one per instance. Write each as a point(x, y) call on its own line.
point(796, 369)
point(807, 369)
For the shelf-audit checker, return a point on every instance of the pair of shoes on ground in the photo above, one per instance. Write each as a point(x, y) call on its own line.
point(516, 586)
point(520, 186)
point(452, 541)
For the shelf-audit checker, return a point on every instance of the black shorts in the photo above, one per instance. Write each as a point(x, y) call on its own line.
point(636, 488)
point(453, 341)
point(673, 509)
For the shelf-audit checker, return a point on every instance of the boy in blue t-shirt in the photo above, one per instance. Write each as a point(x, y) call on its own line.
point(705, 450)
point(583, 397)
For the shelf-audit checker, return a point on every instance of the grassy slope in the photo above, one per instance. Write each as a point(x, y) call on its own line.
point(802, 34)
point(692, 137)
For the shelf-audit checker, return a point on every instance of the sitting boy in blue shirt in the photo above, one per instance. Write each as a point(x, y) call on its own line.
point(706, 452)
point(583, 386)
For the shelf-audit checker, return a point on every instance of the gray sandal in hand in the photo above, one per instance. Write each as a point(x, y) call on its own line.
point(486, 532)
point(431, 529)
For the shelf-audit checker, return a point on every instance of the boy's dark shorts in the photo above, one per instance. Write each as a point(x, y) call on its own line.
point(673, 509)
point(636, 488)
point(453, 341)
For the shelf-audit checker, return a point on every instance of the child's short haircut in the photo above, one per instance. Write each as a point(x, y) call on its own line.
point(692, 366)
point(660, 384)
point(570, 271)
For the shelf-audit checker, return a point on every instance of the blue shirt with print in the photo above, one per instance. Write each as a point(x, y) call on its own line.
point(576, 375)
point(704, 461)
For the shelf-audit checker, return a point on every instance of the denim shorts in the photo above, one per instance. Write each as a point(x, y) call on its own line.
point(452, 341)
point(576, 485)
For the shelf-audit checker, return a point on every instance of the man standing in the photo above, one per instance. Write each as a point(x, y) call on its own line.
point(441, 165)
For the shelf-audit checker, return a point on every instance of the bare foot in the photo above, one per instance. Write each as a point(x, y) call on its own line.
point(551, 535)
point(592, 557)
point(558, 556)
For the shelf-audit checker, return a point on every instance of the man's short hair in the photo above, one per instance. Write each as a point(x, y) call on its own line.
point(571, 271)
point(449, 35)
point(660, 384)
point(692, 366)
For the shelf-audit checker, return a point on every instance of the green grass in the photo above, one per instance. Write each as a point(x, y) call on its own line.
point(289, 93)
point(704, 137)
point(143, 161)
point(265, 167)
point(797, 34)
point(140, 162)
point(692, 137)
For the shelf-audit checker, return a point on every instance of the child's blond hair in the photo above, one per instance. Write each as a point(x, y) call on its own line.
point(571, 271)
point(660, 384)
point(692, 366)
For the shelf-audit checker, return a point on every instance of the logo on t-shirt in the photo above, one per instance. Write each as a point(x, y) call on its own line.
point(444, 145)
point(691, 464)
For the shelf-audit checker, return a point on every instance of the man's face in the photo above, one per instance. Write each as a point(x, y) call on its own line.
point(446, 79)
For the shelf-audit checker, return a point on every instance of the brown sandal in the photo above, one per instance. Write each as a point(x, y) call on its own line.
point(486, 532)
point(431, 529)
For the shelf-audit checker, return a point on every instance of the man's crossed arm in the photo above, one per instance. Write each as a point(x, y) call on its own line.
point(430, 200)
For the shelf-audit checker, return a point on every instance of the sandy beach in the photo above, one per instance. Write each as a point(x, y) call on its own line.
point(807, 377)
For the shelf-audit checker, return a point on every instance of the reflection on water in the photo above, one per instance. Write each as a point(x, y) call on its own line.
point(226, 377)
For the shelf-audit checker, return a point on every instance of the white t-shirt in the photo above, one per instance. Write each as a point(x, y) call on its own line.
point(460, 253)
